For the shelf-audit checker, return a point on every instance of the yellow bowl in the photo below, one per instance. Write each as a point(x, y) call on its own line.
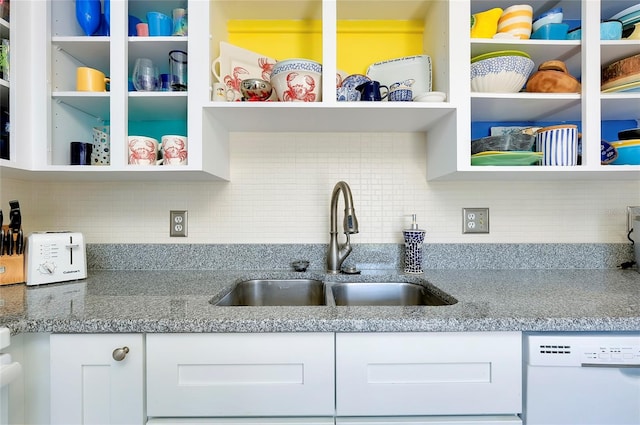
point(621, 143)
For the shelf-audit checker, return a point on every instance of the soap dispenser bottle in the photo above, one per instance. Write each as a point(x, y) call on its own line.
point(413, 239)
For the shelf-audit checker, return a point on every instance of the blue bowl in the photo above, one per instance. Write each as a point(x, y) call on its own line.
point(627, 155)
point(551, 16)
point(611, 30)
point(551, 32)
point(575, 34)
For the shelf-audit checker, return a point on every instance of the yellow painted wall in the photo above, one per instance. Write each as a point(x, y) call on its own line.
point(359, 43)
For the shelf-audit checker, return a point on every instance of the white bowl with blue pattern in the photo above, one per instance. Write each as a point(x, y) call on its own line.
point(297, 80)
point(500, 74)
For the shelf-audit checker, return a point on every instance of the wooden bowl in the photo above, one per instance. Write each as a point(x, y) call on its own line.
point(553, 77)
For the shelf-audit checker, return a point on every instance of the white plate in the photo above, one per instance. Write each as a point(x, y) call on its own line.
point(628, 87)
point(236, 64)
point(391, 71)
point(434, 96)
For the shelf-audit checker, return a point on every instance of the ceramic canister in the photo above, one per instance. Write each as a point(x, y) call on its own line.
point(558, 144)
point(100, 154)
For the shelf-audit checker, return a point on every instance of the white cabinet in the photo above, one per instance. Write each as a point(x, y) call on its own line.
point(14, 153)
point(241, 375)
point(287, 378)
point(591, 109)
point(59, 114)
point(436, 20)
point(5, 83)
point(91, 384)
point(415, 378)
point(394, 374)
point(62, 115)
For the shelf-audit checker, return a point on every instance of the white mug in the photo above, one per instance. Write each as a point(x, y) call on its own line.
point(143, 150)
point(222, 93)
point(174, 149)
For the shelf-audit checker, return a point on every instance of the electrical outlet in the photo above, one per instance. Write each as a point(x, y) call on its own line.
point(178, 223)
point(475, 220)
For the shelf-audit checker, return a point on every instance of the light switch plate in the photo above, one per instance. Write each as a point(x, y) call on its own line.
point(475, 220)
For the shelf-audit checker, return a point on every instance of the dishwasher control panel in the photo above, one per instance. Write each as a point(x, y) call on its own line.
point(587, 350)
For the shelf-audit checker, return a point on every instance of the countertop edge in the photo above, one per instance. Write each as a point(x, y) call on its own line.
point(80, 326)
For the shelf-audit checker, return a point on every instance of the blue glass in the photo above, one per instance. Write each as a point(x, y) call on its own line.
point(88, 15)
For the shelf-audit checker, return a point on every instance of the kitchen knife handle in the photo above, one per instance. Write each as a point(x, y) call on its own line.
point(20, 242)
point(15, 217)
point(10, 242)
point(2, 242)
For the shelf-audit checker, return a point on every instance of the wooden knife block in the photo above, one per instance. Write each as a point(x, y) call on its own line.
point(11, 266)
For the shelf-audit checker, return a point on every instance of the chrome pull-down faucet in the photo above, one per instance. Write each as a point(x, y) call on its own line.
point(337, 254)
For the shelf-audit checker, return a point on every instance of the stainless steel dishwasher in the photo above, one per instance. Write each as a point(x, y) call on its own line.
point(582, 379)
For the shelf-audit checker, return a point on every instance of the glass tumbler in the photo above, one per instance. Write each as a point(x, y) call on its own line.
point(178, 68)
point(145, 75)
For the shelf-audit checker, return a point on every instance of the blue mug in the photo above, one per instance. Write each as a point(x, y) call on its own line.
point(370, 91)
point(159, 24)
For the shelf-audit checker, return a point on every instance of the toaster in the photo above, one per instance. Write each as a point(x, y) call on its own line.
point(55, 257)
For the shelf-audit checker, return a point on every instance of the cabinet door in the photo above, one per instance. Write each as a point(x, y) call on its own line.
point(428, 373)
point(240, 374)
point(89, 386)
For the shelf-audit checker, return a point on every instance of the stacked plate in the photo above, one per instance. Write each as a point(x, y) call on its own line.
point(506, 158)
point(416, 68)
point(629, 17)
point(622, 76)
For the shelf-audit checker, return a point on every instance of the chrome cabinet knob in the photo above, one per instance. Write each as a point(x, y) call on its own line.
point(120, 353)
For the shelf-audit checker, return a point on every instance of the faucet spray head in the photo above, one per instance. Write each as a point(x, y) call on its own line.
point(350, 223)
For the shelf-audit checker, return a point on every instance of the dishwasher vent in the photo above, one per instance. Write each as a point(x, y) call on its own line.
point(555, 349)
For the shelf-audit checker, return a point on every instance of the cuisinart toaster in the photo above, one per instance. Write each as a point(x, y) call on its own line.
point(55, 257)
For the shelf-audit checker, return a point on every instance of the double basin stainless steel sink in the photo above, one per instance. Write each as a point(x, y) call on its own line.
point(311, 292)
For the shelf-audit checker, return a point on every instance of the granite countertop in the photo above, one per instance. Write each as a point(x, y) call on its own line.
point(179, 301)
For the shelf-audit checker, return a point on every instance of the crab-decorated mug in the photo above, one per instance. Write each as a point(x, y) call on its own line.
point(174, 149)
point(143, 150)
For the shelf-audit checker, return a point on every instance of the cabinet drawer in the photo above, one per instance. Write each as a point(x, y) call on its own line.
point(432, 420)
point(240, 374)
point(428, 373)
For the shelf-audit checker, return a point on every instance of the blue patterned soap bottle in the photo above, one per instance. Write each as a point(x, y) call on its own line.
point(413, 239)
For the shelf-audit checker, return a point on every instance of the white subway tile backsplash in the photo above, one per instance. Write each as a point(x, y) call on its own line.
point(280, 192)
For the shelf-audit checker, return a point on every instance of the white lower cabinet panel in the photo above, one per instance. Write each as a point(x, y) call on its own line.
point(196, 375)
point(241, 421)
point(433, 420)
point(393, 374)
point(92, 385)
